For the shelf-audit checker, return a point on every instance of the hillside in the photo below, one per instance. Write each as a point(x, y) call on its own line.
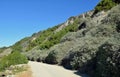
point(89, 43)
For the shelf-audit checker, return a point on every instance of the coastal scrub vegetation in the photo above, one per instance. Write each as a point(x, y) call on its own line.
point(12, 59)
point(106, 5)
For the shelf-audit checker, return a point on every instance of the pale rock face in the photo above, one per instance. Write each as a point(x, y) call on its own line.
point(34, 39)
point(69, 21)
point(100, 16)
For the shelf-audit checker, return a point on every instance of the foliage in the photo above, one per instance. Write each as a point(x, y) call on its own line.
point(83, 54)
point(51, 58)
point(93, 49)
point(45, 39)
point(104, 5)
point(113, 16)
point(56, 37)
point(12, 59)
point(108, 60)
point(36, 55)
point(44, 35)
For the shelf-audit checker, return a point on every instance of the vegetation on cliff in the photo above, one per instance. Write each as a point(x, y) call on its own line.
point(84, 49)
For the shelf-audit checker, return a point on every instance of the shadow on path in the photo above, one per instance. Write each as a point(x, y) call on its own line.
point(80, 74)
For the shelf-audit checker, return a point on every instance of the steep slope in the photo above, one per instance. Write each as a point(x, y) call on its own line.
point(50, 37)
point(47, 38)
point(82, 49)
point(89, 43)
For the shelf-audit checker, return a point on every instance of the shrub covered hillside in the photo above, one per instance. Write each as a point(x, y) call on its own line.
point(50, 37)
point(93, 49)
point(47, 38)
point(89, 43)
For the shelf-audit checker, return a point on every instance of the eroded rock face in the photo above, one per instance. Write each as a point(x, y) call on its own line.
point(68, 22)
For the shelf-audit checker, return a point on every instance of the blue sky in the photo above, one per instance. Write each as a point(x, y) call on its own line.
point(21, 18)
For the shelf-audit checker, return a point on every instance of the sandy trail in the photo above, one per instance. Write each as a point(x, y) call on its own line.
point(45, 70)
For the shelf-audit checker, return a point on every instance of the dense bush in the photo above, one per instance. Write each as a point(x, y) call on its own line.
point(108, 60)
point(82, 55)
point(12, 59)
point(71, 36)
point(104, 5)
point(114, 17)
point(51, 58)
point(59, 51)
point(103, 30)
point(37, 55)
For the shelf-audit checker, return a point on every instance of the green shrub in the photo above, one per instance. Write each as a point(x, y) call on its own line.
point(71, 36)
point(114, 17)
point(44, 35)
point(82, 55)
point(108, 59)
point(12, 59)
point(56, 37)
point(104, 5)
point(103, 30)
point(51, 58)
point(37, 55)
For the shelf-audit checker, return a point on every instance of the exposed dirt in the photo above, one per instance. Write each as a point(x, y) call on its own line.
point(27, 73)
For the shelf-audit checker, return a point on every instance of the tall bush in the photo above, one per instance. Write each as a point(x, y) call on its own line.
point(51, 58)
point(108, 60)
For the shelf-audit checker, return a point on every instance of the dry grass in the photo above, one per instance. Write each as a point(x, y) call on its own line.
point(27, 73)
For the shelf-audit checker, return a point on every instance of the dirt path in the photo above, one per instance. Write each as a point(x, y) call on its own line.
point(45, 70)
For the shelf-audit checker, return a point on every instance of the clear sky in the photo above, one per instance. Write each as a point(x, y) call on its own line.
point(21, 18)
